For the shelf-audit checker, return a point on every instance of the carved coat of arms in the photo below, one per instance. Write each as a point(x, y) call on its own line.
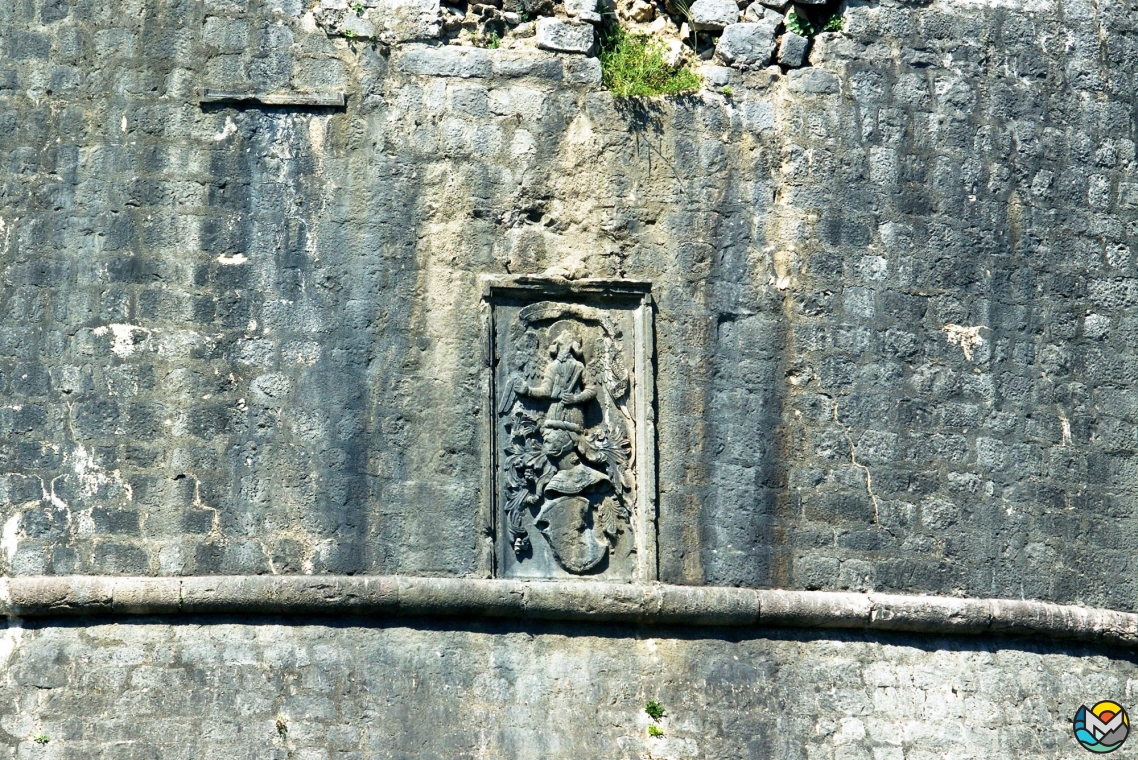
point(567, 434)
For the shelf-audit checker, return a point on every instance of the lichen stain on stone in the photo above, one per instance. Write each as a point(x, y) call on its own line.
point(230, 128)
point(12, 638)
point(92, 477)
point(968, 338)
point(9, 538)
point(124, 337)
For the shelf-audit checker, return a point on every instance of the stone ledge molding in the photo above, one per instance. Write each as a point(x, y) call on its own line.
point(659, 604)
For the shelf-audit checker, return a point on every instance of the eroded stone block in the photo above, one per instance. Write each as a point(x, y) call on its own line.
point(713, 15)
point(748, 44)
point(564, 36)
point(792, 50)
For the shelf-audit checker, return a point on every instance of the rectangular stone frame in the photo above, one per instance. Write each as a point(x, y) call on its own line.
point(643, 393)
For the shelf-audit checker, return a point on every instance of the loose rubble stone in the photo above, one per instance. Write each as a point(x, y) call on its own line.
point(444, 61)
point(675, 51)
point(530, 8)
point(564, 36)
point(792, 50)
point(756, 12)
point(747, 44)
point(713, 15)
point(584, 10)
point(398, 21)
point(642, 12)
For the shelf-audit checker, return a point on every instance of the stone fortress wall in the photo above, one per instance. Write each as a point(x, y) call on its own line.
point(243, 264)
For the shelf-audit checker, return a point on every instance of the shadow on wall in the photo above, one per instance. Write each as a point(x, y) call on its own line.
point(616, 633)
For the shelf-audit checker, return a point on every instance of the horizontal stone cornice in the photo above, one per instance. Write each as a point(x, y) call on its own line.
point(657, 604)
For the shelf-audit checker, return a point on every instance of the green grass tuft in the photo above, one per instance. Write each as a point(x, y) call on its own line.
point(654, 709)
point(655, 730)
point(799, 23)
point(633, 66)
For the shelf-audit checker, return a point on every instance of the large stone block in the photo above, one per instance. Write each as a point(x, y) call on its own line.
point(583, 10)
point(564, 36)
point(444, 61)
point(747, 44)
point(713, 15)
point(792, 50)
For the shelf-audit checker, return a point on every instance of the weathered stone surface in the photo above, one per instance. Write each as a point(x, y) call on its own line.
point(406, 20)
point(756, 13)
point(563, 36)
point(404, 596)
point(895, 346)
point(445, 61)
point(583, 10)
point(245, 339)
point(582, 71)
point(319, 688)
point(792, 50)
point(713, 15)
point(814, 81)
point(357, 26)
point(747, 44)
point(717, 76)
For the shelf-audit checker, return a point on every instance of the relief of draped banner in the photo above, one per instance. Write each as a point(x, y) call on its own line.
point(572, 429)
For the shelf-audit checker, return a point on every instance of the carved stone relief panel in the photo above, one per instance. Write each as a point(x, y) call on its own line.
point(573, 430)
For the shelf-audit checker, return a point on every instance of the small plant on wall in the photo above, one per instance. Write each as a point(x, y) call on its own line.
point(633, 66)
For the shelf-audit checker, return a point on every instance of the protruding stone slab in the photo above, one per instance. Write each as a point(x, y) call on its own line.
point(509, 64)
point(908, 613)
point(748, 44)
point(587, 600)
point(295, 98)
point(713, 15)
point(815, 609)
point(564, 36)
